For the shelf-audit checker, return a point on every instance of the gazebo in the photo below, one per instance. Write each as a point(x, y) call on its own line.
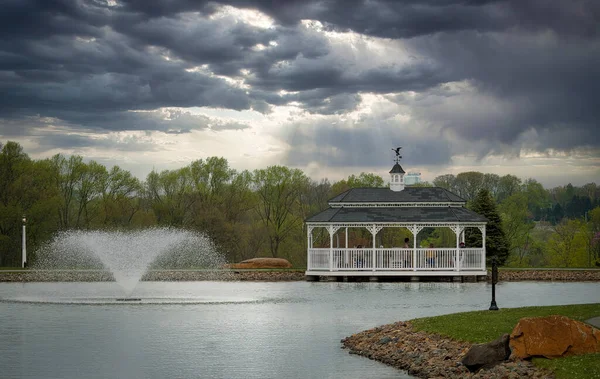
point(399, 206)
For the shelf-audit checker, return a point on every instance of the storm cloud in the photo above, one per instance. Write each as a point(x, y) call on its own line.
point(450, 77)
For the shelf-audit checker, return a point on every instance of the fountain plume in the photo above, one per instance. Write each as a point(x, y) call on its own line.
point(129, 254)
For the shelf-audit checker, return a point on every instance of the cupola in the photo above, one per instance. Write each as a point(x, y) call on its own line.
point(397, 173)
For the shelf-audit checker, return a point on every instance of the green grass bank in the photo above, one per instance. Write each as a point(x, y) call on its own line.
point(485, 326)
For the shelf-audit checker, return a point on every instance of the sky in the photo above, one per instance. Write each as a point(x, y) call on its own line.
point(329, 87)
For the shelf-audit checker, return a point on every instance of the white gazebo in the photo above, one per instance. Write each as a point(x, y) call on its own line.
point(413, 208)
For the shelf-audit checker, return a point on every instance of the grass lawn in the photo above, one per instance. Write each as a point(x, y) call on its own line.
point(576, 367)
point(485, 326)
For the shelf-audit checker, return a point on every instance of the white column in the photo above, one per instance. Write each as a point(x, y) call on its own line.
point(331, 248)
point(414, 258)
point(24, 253)
point(346, 234)
point(483, 237)
point(331, 229)
point(484, 252)
point(458, 231)
point(346, 252)
point(374, 233)
point(415, 232)
point(309, 247)
point(374, 229)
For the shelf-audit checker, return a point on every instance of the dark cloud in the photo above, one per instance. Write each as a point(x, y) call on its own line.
point(198, 40)
point(81, 141)
point(96, 127)
point(23, 19)
point(411, 18)
point(157, 9)
point(403, 18)
point(107, 76)
point(529, 70)
point(519, 83)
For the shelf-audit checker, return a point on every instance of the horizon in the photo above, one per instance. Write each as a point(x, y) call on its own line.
point(383, 174)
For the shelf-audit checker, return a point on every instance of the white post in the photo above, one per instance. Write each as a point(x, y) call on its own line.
point(24, 253)
point(309, 247)
point(346, 234)
point(484, 252)
point(374, 233)
point(346, 253)
point(456, 254)
point(414, 260)
point(330, 248)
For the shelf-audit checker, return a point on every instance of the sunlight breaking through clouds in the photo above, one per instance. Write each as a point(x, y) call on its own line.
point(322, 86)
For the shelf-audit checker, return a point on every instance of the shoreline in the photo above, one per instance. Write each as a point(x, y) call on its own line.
point(426, 355)
point(31, 275)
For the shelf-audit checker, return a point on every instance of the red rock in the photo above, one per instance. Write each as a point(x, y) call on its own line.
point(553, 337)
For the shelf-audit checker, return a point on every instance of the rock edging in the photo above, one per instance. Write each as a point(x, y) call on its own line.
point(163, 276)
point(581, 275)
point(250, 275)
point(426, 355)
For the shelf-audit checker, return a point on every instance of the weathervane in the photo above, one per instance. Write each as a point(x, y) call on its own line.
point(398, 156)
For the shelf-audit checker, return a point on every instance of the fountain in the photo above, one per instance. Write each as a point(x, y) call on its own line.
point(128, 255)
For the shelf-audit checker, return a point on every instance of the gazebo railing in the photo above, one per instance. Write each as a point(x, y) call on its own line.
point(397, 259)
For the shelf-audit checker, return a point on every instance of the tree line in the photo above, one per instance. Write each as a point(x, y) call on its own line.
point(262, 212)
point(557, 227)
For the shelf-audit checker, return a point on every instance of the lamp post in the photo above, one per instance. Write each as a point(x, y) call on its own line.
point(24, 253)
point(493, 306)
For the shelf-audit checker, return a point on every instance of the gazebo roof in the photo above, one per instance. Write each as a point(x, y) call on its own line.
point(408, 195)
point(397, 214)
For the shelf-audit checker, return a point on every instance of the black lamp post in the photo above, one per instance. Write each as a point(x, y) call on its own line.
point(24, 244)
point(493, 305)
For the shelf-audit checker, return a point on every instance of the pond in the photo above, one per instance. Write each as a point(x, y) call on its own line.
point(228, 329)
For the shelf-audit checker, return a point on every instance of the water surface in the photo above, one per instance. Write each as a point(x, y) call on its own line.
point(228, 329)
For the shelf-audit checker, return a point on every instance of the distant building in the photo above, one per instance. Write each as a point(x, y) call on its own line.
point(412, 178)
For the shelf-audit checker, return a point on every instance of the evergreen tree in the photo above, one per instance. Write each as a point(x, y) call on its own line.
point(557, 214)
point(496, 243)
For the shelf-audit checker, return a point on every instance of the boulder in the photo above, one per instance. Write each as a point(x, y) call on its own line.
point(553, 337)
point(487, 355)
point(262, 263)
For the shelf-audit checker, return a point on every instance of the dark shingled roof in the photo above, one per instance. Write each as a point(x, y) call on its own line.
point(408, 195)
point(397, 214)
point(397, 169)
